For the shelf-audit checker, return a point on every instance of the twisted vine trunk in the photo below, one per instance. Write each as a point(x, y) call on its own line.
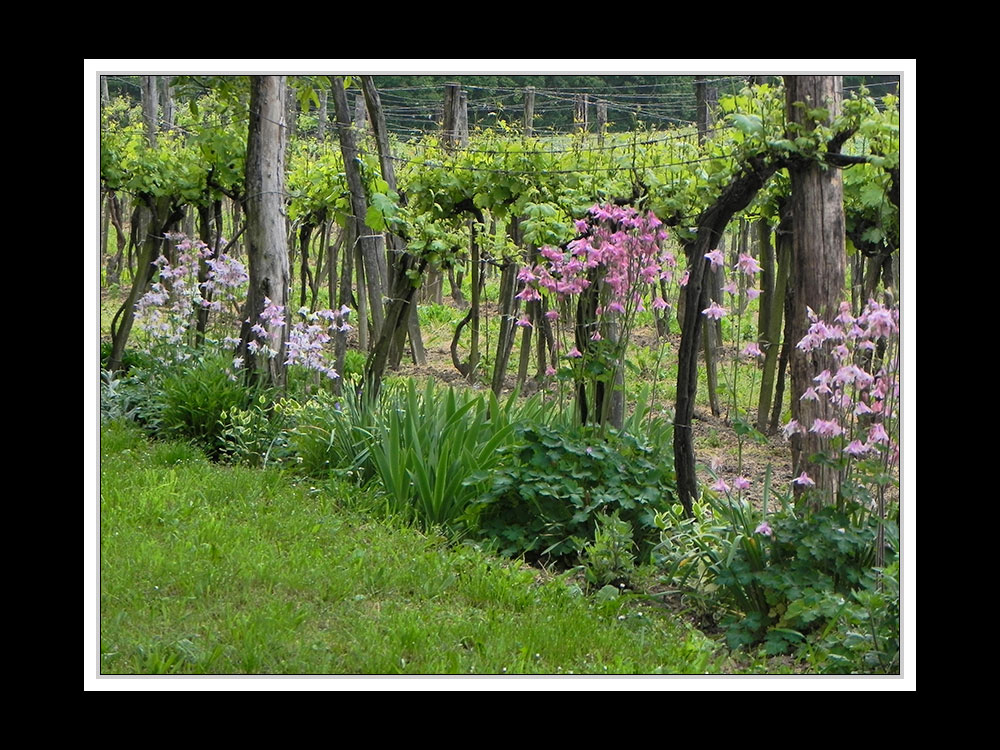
point(711, 224)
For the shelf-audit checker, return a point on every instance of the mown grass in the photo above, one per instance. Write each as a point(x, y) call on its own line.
point(211, 569)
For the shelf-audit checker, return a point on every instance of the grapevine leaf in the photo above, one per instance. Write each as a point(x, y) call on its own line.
point(748, 124)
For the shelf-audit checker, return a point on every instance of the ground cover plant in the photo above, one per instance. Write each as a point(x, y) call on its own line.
point(631, 336)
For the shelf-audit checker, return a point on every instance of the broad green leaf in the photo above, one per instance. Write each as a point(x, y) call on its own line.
point(374, 219)
point(749, 124)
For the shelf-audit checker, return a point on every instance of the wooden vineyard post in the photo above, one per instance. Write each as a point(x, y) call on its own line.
point(819, 260)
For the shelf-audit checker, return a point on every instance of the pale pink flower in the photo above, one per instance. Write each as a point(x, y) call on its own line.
point(856, 448)
point(574, 352)
point(524, 323)
point(716, 258)
point(552, 315)
point(826, 428)
point(747, 265)
point(720, 485)
point(741, 483)
point(714, 311)
point(752, 350)
point(753, 293)
point(764, 529)
point(659, 304)
point(804, 480)
point(597, 336)
point(877, 434)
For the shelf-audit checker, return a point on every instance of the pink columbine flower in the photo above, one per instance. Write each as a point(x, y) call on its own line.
point(856, 448)
point(826, 428)
point(550, 370)
point(731, 288)
point(877, 434)
point(764, 529)
point(752, 350)
point(747, 265)
point(714, 311)
point(716, 258)
point(659, 304)
point(804, 480)
point(524, 323)
point(720, 485)
point(574, 352)
point(597, 336)
point(741, 483)
point(753, 293)
point(552, 315)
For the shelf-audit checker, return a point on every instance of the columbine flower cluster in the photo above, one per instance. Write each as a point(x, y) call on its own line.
point(271, 318)
point(169, 309)
point(746, 265)
point(308, 339)
point(864, 402)
point(621, 247)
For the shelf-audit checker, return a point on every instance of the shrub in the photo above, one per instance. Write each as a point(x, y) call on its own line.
point(559, 480)
point(194, 398)
point(794, 577)
point(801, 576)
point(256, 436)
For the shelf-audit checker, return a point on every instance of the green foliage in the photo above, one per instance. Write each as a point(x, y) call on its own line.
point(784, 584)
point(610, 558)
point(256, 435)
point(810, 567)
point(194, 399)
point(435, 451)
point(863, 638)
point(115, 405)
point(690, 548)
point(331, 436)
point(558, 481)
point(135, 397)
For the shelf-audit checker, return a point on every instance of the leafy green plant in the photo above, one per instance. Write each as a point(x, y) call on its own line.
point(558, 480)
point(332, 436)
point(256, 435)
point(610, 557)
point(436, 450)
point(864, 637)
point(114, 403)
point(781, 582)
point(195, 397)
point(812, 564)
point(135, 397)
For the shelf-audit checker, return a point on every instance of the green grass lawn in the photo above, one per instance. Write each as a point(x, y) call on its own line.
point(210, 569)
